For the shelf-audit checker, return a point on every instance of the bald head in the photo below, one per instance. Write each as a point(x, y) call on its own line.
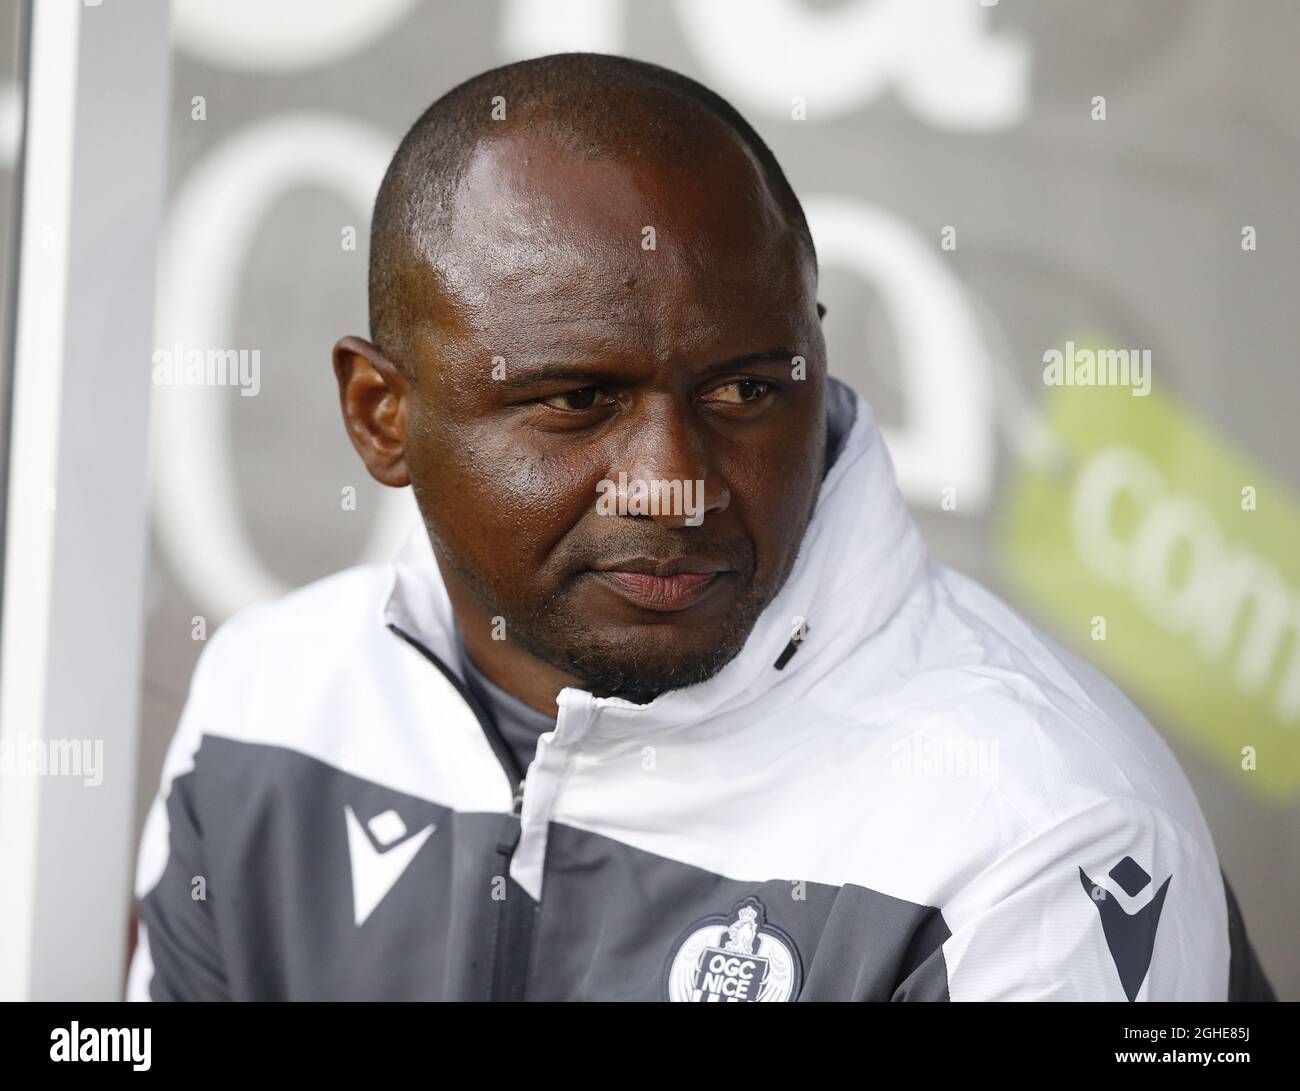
point(589, 106)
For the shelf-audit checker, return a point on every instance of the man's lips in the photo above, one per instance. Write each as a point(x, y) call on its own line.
point(663, 585)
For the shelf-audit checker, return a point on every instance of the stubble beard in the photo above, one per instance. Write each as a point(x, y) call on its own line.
point(553, 631)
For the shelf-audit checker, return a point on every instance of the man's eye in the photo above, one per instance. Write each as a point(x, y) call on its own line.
point(741, 392)
point(574, 401)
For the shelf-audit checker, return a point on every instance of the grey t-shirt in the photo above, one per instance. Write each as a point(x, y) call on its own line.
point(520, 725)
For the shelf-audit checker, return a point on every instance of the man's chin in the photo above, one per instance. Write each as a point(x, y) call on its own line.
point(640, 670)
point(639, 661)
point(617, 648)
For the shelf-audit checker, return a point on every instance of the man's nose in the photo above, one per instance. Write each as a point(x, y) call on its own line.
point(669, 470)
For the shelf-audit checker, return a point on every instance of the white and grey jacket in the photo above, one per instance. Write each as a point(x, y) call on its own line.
point(924, 798)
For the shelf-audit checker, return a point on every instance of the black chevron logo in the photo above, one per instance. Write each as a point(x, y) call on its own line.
point(1131, 937)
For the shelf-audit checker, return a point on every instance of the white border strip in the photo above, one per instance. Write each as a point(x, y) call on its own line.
point(38, 373)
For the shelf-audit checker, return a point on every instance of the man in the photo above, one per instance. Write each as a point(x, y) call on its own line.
point(665, 699)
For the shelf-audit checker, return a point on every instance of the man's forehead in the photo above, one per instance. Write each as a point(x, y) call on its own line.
point(527, 204)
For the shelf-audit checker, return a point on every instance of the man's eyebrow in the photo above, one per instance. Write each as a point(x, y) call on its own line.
point(778, 355)
point(526, 375)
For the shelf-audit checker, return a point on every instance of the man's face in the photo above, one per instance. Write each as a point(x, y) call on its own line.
point(618, 317)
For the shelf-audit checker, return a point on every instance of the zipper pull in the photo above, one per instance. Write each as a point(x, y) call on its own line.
point(519, 796)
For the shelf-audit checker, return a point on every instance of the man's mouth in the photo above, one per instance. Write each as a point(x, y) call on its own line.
point(662, 585)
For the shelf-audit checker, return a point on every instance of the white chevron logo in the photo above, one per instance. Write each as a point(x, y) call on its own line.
point(375, 871)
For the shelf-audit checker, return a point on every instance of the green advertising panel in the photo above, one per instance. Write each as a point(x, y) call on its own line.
point(1172, 561)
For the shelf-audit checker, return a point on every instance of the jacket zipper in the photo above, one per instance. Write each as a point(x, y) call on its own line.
point(518, 911)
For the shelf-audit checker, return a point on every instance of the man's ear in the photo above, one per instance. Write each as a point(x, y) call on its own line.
point(373, 397)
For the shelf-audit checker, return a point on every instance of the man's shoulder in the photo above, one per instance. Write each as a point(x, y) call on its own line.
point(280, 671)
point(989, 706)
point(316, 674)
point(326, 616)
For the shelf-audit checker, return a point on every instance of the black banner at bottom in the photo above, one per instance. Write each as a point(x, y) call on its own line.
point(364, 1040)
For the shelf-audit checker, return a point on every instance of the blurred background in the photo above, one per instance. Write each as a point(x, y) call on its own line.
point(986, 182)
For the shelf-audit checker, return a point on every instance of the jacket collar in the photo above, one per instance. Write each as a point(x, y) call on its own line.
point(861, 556)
